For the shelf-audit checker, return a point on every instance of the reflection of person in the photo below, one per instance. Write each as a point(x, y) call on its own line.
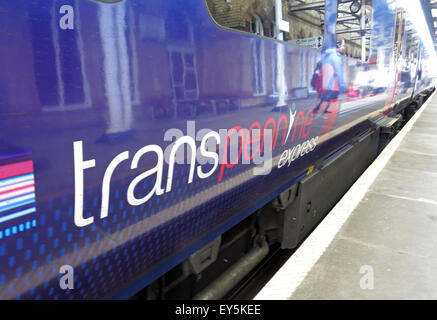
point(330, 83)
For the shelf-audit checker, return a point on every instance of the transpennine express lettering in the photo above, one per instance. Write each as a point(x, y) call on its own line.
point(294, 128)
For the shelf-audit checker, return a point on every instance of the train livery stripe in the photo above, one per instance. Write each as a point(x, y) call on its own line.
point(17, 202)
point(16, 180)
point(17, 186)
point(16, 169)
point(18, 214)
point(17, 192)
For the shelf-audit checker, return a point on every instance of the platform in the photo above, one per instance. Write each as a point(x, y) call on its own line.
point(380, 240)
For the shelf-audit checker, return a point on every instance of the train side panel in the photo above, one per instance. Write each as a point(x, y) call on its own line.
point(132, 134)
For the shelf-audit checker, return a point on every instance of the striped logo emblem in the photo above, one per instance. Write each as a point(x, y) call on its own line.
point(17, 186)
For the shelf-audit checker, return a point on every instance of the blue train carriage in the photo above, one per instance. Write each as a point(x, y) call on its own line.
point(147, 147)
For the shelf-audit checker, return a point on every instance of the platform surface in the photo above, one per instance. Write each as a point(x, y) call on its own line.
point(380, 240)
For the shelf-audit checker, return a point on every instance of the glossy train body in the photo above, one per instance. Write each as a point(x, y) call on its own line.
point(135, 133)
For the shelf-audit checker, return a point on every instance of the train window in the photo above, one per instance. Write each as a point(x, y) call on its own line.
point(354, 25)
point(300, 22)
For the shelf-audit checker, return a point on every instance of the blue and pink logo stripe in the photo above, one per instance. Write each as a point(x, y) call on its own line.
point(17, 186)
